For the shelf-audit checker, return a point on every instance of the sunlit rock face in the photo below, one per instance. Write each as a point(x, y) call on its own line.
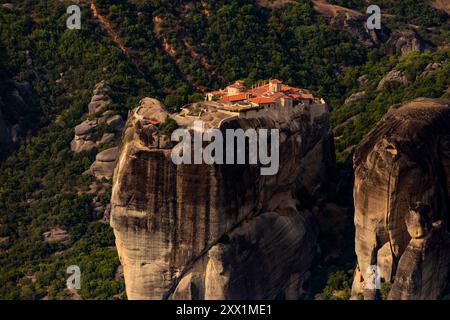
point(401, 166)
point(217, 231)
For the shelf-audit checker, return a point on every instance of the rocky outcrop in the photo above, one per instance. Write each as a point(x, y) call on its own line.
point(357, 28)
point(271, 4)
point(402, 178)
point(362, 80)
point(441, 5)
point(216, 231)
point(404, 41)
point(101, 99)
point(86, 133)
point(104, 164)
point(358, 96)
point(56, 235)
point(394, 76)
point(432, 68)
point(351, 21)
point(9, 6)
point(423, 267)
point(83, 136)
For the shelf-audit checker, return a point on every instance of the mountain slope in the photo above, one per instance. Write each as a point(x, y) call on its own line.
point(195, 46)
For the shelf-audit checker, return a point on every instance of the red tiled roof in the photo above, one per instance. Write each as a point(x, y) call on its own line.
point(276, 95)
point(262, 94)
point(237, 97)
point(285, 87)
point(148, 118)
point(260, 90)
point(262, 100)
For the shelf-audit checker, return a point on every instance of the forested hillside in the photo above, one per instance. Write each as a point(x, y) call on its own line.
point(176, 50)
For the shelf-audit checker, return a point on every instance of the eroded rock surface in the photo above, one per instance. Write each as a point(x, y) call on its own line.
point(358, 96)
point(56, 235)
point(404, 41)
point(432, 68)
point(217, 231)
point(104, 164)
point(87, 135)
point(394, 76)
point(423, 267)
point(403, 161)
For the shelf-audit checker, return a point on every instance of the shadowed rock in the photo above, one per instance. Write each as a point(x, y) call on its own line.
point(403, 161)
point(423, 267)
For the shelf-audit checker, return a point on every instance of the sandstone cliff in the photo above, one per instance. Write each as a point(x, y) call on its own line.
point(217, 231)
point(402, 178)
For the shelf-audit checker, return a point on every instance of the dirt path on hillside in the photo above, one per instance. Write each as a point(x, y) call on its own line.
point(170, 50)
point(107, 26)
point(443, 5)
point(331, 10)
point(274, 4)
point(118, 41)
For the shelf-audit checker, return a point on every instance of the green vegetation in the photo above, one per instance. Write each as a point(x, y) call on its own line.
point(174, 101)
point(385, 289)
point(196, 111)
point(338, 286)
point(366, 113)
point(168, 126)
point(417, 12)
point(41, 181)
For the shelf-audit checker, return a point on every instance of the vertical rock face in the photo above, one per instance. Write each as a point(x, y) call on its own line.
point(216, 231)
point(423, 267)
point(402, 178)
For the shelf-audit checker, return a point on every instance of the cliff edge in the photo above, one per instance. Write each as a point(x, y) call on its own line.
point(198, 231)
point(401, 196)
